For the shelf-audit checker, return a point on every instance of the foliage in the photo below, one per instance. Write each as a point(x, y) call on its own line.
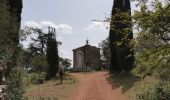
point(52, 54)
point(45, 45)
point(36, 78)
point(9, 41)
point(15, 87)
point(120, 37)
point(152, 48)
point(104, 45)
point(39, 41)
point(159, 91)
point(152, 43)
point(4, 23)
point(64, 62)
point(39, 64)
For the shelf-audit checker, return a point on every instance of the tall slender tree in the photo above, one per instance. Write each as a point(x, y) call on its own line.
point(120, 35)
point(52, 54)
point(14, 9)
point(10, 18)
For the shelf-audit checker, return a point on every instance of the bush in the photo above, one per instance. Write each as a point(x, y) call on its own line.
point(37, 78)
point(159, 91)
point(15, 89)
point(39, 63)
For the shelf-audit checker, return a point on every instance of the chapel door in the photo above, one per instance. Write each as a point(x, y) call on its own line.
point(79, 59)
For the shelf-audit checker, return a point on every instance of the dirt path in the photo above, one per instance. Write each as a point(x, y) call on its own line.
point(95, 86)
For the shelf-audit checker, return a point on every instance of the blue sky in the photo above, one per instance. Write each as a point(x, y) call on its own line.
point(72, 20)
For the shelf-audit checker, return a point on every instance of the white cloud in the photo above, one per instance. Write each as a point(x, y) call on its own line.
point(96, 26)
point(32, 24)
point(66, 54)
point(64, 28)
point(61, 28)
point(59, 38)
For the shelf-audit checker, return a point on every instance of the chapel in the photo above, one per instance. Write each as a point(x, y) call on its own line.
point(86, 56)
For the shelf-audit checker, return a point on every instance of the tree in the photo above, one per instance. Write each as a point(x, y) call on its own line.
point(52, 54)
point(39, 64)
point(44, 44)
point(15, 10)
point(38, 44)
point(120, 36)
point(64, 62)
point(152, 43)
point(104, 45)
point(10, 14)
point(152, 48)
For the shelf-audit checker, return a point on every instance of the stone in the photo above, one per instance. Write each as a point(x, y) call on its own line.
point(3, 68)
point(86, 56)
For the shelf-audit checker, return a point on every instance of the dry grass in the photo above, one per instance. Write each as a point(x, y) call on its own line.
point(131, 85)
point(136, 89)
point(52, 90)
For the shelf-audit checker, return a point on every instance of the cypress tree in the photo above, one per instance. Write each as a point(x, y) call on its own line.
point(52, 54)
point(10, 18)
point(112, 37)
point(128, 48)
point(15, 9)
point(120, 35)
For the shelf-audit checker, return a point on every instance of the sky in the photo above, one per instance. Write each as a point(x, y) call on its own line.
point(73, 20)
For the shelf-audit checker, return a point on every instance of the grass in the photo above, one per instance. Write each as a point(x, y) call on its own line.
point(51, 90)
point(130, 84)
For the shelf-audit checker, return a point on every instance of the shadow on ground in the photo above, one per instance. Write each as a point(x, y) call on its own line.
point(66, 82)
point(125, 81)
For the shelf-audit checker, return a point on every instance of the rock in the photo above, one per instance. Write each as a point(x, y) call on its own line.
point(2, 92)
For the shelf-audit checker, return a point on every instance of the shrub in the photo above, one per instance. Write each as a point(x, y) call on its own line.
point(159, 91)
point(35, 78)
point(15, 89)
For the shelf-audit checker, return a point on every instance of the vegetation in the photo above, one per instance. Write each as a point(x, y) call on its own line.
point(104, 45)
point(52, 89)
point(151, 50)
point(160, 91)
point(65, 63)
point(43, 51)
point(120, 36)
point(52, 54)
point(9, 46)
point(15, 86)
point(152, 43)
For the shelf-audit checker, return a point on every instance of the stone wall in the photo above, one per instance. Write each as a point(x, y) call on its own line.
point(3, 87)
point(91, 57)
point(3, 92)
point(2, 72)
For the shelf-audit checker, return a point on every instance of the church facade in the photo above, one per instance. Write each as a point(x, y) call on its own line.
point(86, 56)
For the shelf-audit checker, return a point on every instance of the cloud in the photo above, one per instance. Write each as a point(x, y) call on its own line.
point(64, 28)
point(94, 26)
point(59, 38)
point(32, 24)
point(61, 28)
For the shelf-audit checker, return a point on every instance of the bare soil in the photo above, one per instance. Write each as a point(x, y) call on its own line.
point(96, 86)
